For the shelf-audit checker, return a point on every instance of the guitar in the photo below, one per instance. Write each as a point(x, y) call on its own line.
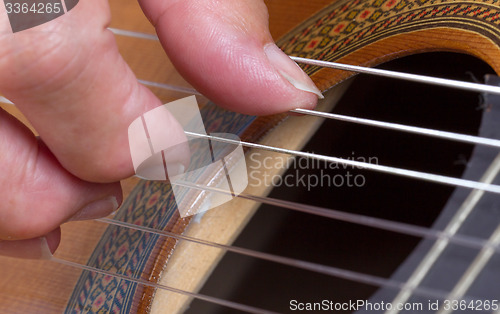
point(113, 265)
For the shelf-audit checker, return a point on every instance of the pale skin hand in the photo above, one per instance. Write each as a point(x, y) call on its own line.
point(58, 74)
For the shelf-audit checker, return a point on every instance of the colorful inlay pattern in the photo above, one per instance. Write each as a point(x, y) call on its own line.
point(348, 25)
point(334, 32)
point(130, 252)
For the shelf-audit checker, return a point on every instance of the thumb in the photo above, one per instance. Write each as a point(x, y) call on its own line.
point(224, 49)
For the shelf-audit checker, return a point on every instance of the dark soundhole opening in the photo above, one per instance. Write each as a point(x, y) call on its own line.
point(345, 245)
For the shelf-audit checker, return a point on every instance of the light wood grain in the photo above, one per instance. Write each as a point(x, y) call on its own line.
point(33, 286)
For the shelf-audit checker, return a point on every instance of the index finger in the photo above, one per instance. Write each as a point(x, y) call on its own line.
point(224, 49)
point(69, 80)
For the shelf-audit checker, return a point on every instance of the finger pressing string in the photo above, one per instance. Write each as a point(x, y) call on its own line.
point(431, 80)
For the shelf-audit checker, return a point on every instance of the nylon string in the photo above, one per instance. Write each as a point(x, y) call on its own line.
point(488, 248)
point(487, 252)
point(482, 88)
point(451, 230)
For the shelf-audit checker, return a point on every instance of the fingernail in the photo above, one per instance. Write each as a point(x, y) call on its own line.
point(97, 209)
point(290, 70)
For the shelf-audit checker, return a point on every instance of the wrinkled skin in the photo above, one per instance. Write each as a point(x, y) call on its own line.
point(58, 74)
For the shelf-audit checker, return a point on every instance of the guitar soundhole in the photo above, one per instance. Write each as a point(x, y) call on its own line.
point(345, 245)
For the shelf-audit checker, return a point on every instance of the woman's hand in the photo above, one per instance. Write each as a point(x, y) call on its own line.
point(69, 80)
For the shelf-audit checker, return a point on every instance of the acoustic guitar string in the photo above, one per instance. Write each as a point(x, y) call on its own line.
point(301, 264)
point(473, 87)
point(450, 230)
point(223, 302)
point(487, 250)
point(393, 126)
point(407, 290)
point(210, 299)
point(398, 75)
point(349, 275)
point(424, 176)
point(405, 128)
point(133, 34)
point(448, 135)
point(174, 88)
point(368, 221)
point(464, 138)
point(327, 270)
point(381, 168)
point(411, 286)
point(483, 88)
point(490, 246)
point(449, 236)
point(418, 175)
point(473, 271)
point(453, 136)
